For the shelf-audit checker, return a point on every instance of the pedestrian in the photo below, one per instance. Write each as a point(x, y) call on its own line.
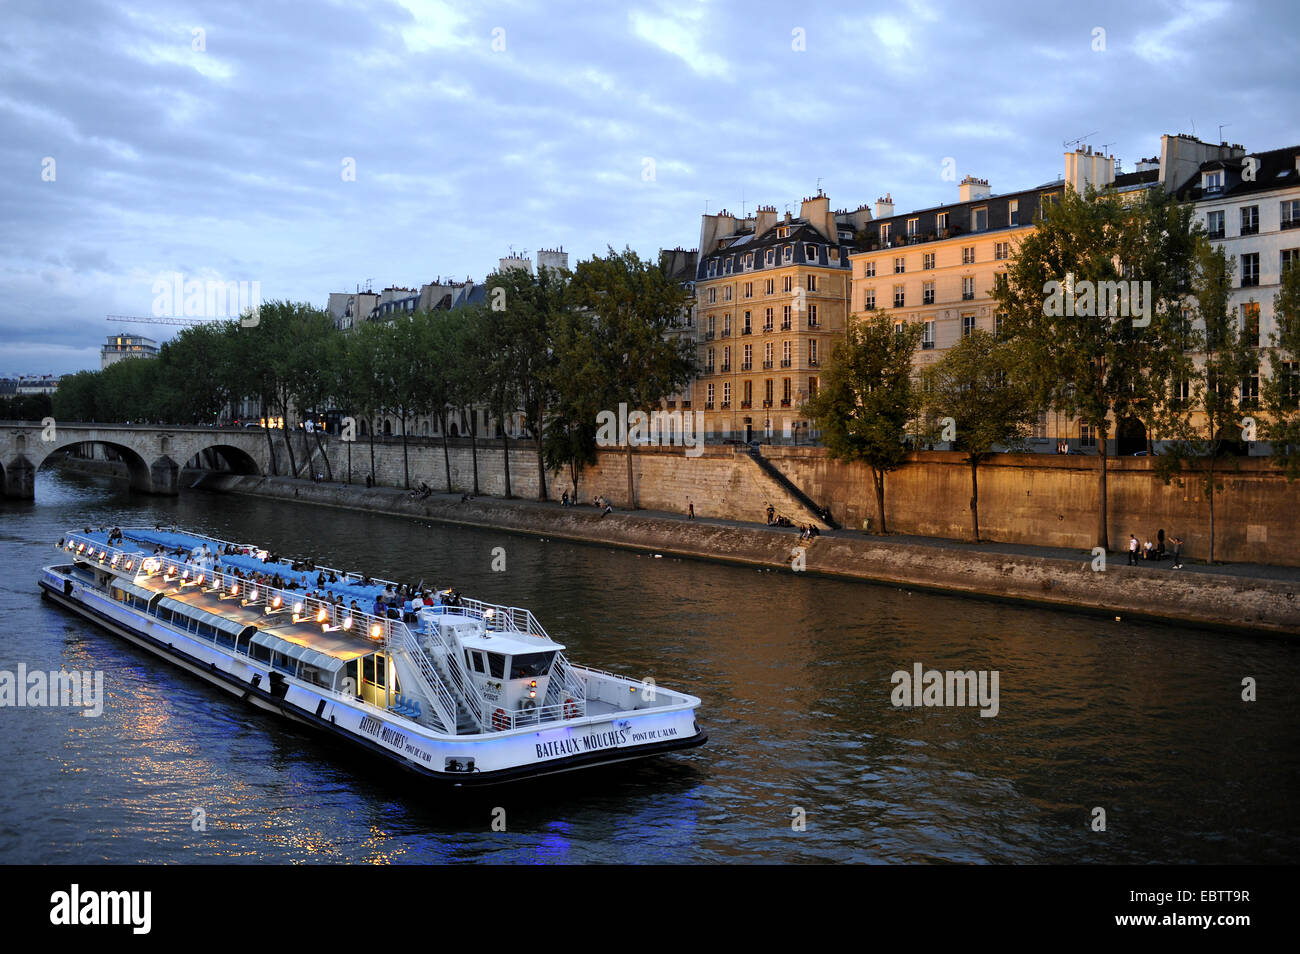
point(1160, 544)
point(1132, 550)
point(690, 510)
point(1178, 554)
point(771, 512)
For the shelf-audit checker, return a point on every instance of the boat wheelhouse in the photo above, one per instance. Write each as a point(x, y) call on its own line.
point(449, 687)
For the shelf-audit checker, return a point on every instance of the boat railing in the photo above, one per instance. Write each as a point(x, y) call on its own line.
point(399, 634)
point(502, 619)
point(473, 699)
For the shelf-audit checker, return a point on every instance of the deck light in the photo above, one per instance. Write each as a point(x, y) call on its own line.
point(276, 603)
point(376, 631)
point(297, 608)
point(532, 693)
point(116, 557)
point(199, 579)
point(129, 564)
point(252, 594)
point(322, 615)
point(347, 622)
point(234, 589)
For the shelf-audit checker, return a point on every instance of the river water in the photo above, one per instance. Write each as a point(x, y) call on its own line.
point(1142, 720)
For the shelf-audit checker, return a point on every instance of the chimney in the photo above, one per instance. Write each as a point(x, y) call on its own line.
point(816, 211)
point(1083, 168)
point(765, 219)
point(972, 188)
point(885, 206)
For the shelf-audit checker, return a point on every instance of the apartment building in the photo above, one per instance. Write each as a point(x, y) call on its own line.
point(771, 299)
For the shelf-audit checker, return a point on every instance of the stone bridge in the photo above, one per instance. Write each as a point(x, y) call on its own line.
point(153, 455)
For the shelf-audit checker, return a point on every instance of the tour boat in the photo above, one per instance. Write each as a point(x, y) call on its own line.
point(455, 690)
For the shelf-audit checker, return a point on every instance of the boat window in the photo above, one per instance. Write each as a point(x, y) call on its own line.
point(477, 658)
point(261, 653)
point(379, 671)
point(496, 665)
point(532, 664)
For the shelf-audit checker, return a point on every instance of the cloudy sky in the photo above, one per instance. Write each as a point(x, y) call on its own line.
point(313, 147)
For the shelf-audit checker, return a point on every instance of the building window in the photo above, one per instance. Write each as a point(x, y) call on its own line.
point(812, 388)
point(1087, 435)
point(1288, 258)
point(967, 325)
point(1214, 224)
point(749, 261)
point(789, 253)
point(785, 354)
point(927, 293)
point(1250, 324)
point(785, 392)
point(834, 254)
point(911, 228)
point(810, 253)
point(787, 283)
point(1250, 391)
point(1001, 250)
point(726, 325)
point(767, 320)
point(1290, 381)
point(869, 300)
point(1250, 220)
point(713, 268)
point(748, 329)
point(968, 255)
point(1212, 181)
point(726, 394)
point(1013, 212)
point(747, 361)
point(812, 352)
point(900, 265)
point(747, 394)
point(1290, 214)
point(884, 234)
point(785, 317)
point(941, 221)
point(727, 266)
point(767, 393)
point(997, 324)
point(968, 289)
point(869, 269)
point(749, 289)
point(927, 336)
point(726, 293)
point(899, 298)
point(812, 283)
point(770, 286)
point(726, 359)
point(713, 296)
point(927, 261)
point(979, 220)
point(708, 400)
point(770, 256)
point(812, 316)
point(767, 355)
point(708, 367)
point(1250, 270)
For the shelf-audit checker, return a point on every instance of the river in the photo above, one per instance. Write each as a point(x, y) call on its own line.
point(808, 759)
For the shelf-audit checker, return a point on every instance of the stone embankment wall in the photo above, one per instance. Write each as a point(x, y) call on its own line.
point(1265, 605)
point(1037, 499)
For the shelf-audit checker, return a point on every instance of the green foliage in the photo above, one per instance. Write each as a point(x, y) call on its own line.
point(1280, 387)
point(867, 397)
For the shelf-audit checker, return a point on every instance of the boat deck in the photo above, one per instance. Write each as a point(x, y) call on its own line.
point(333, 642)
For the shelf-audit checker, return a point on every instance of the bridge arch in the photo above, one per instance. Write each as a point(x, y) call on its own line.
point(236, 459)
point(139, 471)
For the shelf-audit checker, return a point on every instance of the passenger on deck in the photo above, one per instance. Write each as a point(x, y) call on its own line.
point(380, 607)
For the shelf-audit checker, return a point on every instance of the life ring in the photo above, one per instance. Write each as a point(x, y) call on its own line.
point(499, 720)
point(528, 706)
point(570, 709)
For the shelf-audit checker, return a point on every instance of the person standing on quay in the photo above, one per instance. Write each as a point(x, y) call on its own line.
point(1132, 550)
point(690, 510)
point(1178, 554)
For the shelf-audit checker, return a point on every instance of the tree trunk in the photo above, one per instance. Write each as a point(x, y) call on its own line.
point(631, 491)
point(878, 478)
point(270, 447)
point(284, 432)
point(541, 467)
point(1211, 495)
point(505, 454)
point(446, 454)
point(473, 444)
point(406, 460)
point(975, 496)
point(349, 462)
point(372, 452)
point(1103, 536)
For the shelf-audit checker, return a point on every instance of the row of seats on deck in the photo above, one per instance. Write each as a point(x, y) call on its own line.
point(406, 706)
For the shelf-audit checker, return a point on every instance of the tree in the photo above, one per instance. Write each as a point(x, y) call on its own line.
point(1204, 425)
point(570, 439)
point(1281, 386)
point(867, 397)
point(975, 384)
point(471, 357)
point(1086, 345)
point(528, 309)
point(633, 306)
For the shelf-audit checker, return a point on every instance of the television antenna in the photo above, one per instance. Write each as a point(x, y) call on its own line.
point(1076, 143)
